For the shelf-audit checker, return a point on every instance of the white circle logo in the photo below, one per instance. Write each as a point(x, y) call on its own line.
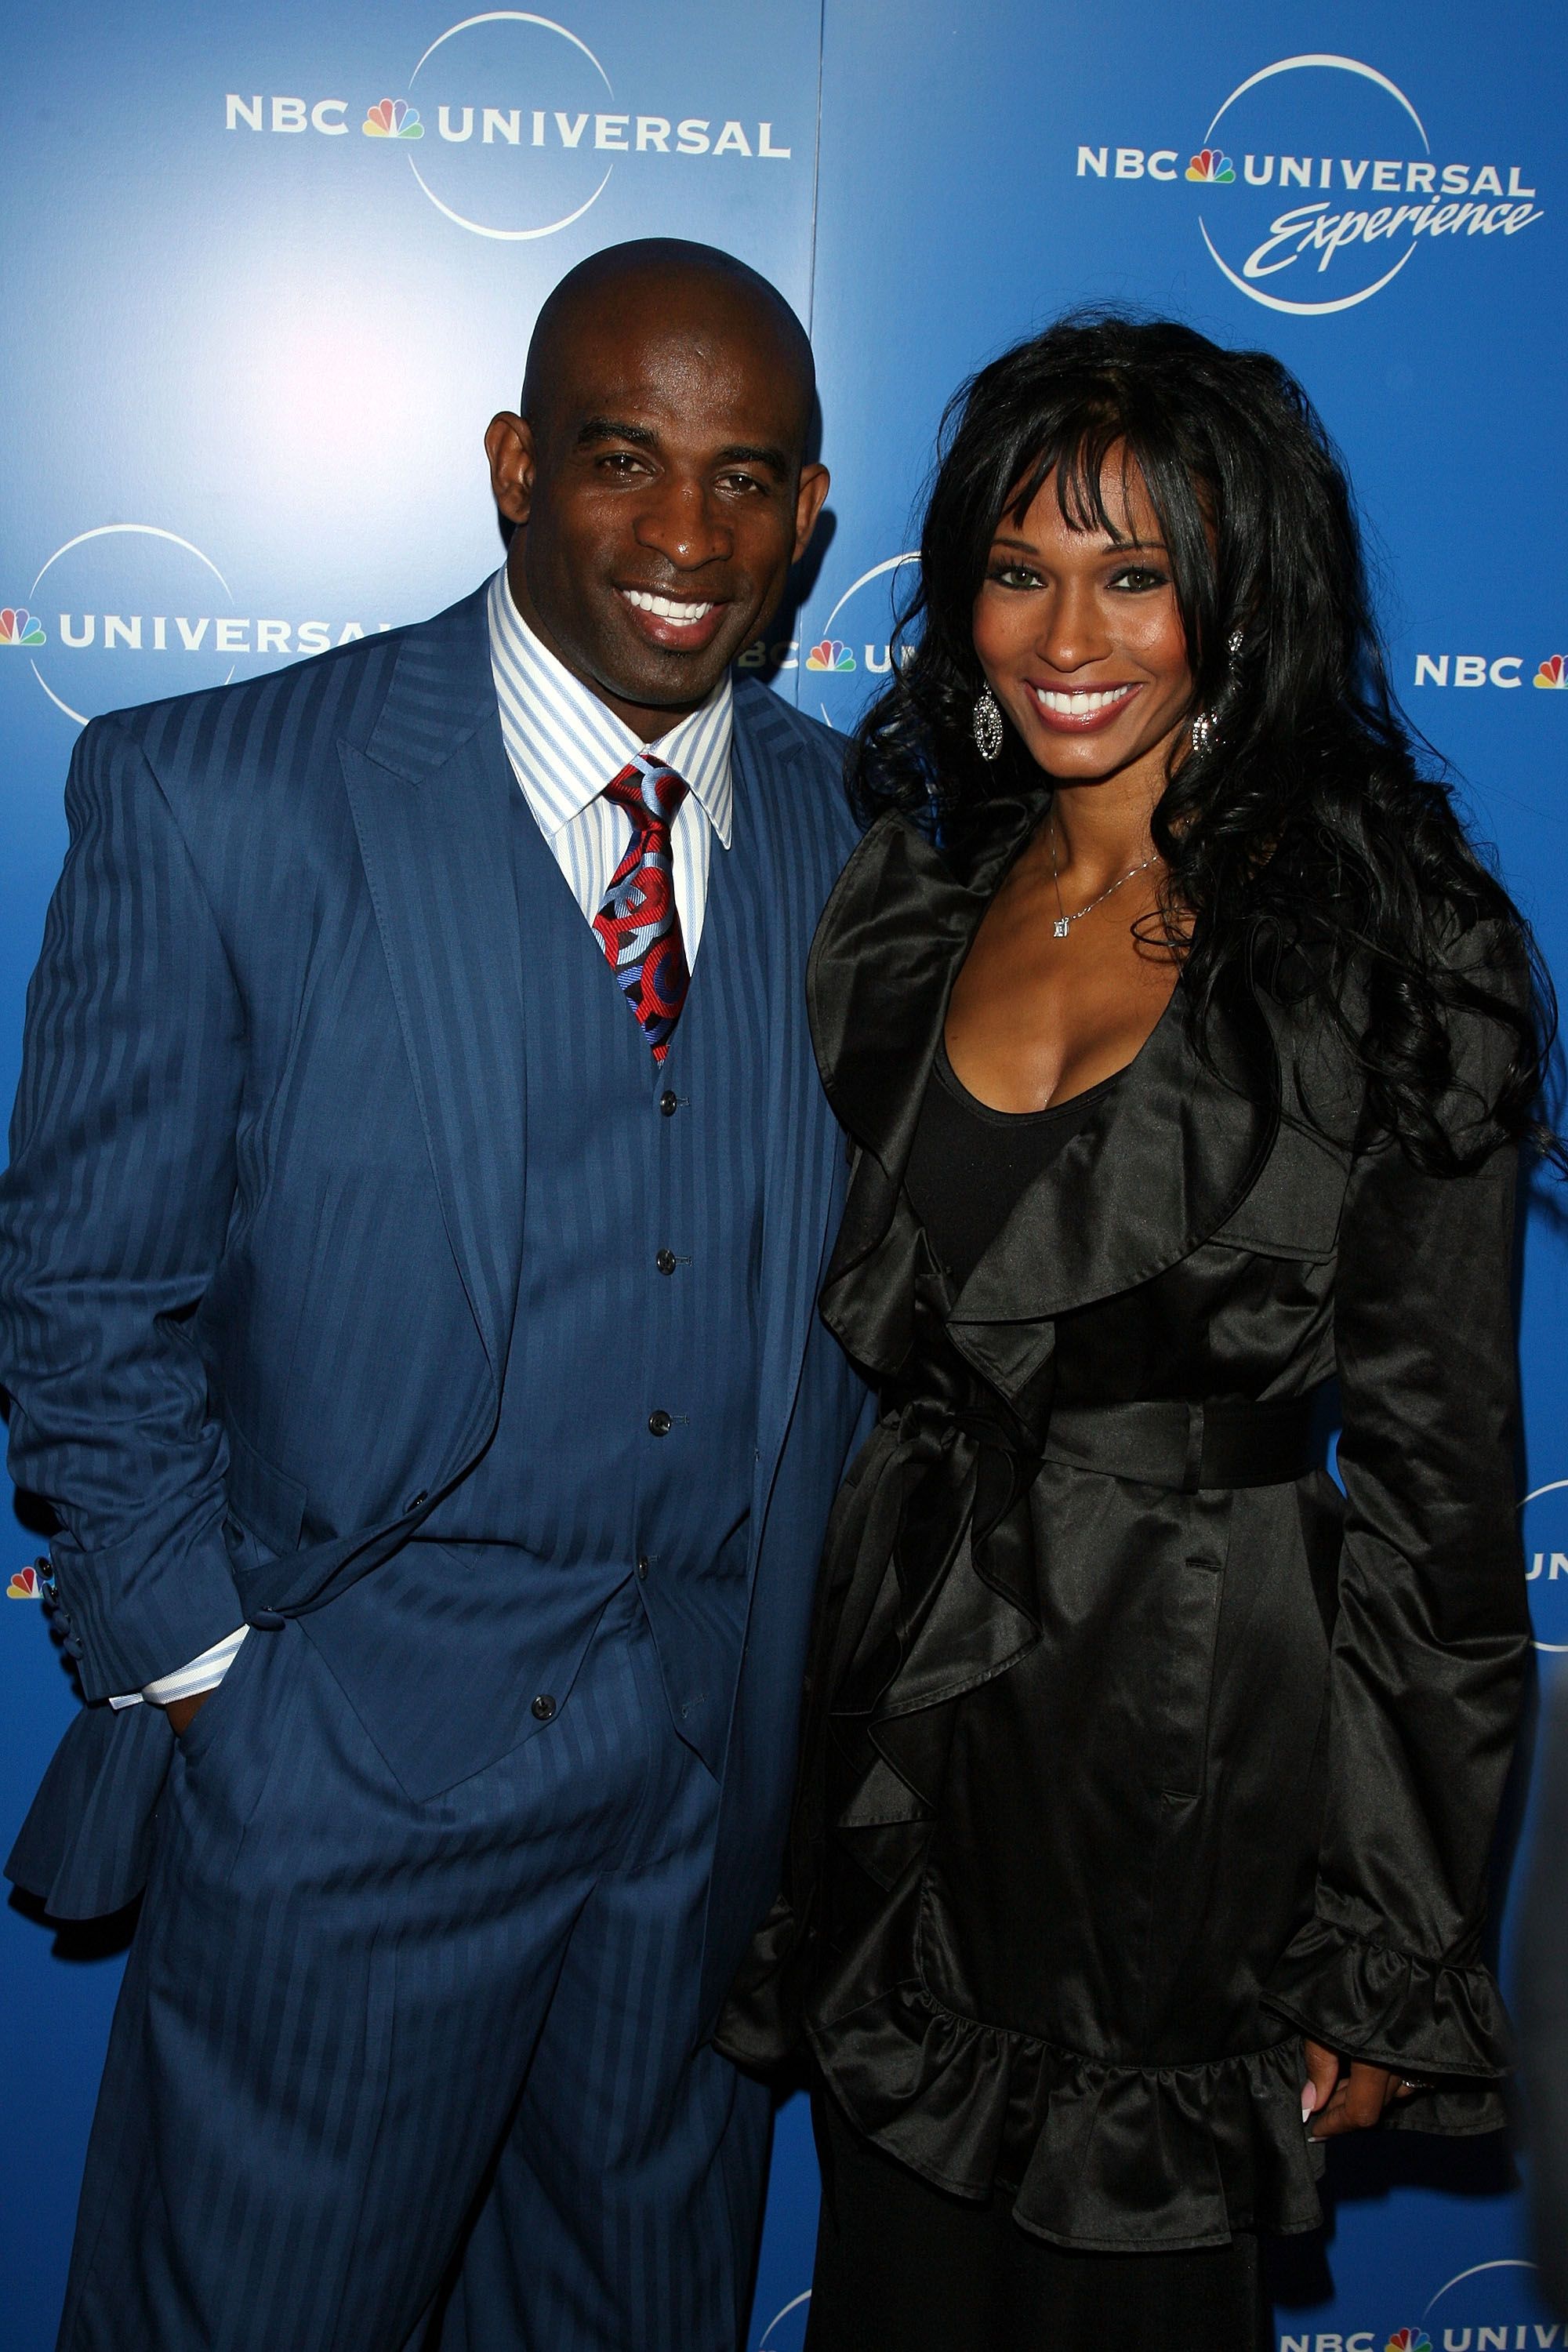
point(1371, 126)
point(128, 613)
point(1492, 2297)
point(1543, 1517)
point(775, 2336)
point(848, 663)
point(513, 120)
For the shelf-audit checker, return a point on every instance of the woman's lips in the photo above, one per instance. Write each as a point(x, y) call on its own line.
point(1081, 710)
point(677, 624)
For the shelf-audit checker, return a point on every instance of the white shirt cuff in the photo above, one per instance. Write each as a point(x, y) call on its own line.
point(203, 1674)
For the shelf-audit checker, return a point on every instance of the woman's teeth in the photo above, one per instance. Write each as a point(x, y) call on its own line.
point(669, 608)
point(1080, 703)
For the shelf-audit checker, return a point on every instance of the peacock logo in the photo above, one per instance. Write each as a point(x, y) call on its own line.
point(1211, 163)
point(20, 627)
point(1553, 671)
point(393, 118)
point(1409, 2339)
point(830, 652)
point(24, 1585)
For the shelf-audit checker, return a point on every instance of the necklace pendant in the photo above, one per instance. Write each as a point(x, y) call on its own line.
point(1061, 927)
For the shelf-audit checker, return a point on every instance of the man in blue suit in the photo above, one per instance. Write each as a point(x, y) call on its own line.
point(419, 1194)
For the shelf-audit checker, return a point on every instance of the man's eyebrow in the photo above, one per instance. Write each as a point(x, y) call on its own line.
point(743, 453)
point(610, 429)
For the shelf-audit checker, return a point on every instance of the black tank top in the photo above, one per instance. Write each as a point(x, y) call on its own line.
point(969, 1164)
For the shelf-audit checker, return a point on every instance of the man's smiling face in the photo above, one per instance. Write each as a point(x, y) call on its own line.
point(659, 487)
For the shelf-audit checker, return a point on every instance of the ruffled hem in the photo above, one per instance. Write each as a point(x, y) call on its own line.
point(1370, 2001)
point(1094, 2154)
point(759, 2024)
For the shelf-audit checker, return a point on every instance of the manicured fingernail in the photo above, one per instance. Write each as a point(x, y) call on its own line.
point(1308, 2099)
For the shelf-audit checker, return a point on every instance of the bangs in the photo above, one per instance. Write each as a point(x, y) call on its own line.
point(1077, 449)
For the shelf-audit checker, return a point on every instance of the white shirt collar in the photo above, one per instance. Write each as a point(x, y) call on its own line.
point(565, 744)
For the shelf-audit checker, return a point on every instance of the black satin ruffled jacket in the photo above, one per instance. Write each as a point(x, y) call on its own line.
point(1135, 1750)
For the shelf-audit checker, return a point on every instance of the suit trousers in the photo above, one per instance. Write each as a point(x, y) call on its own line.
point(387, 2073)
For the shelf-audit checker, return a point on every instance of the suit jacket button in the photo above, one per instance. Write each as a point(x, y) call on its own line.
point(666, 1261)
point(265, 1621)
point(668, 1103)
point(659, 1424)
point(644, 1564)
point(415, 1500)
point(544, 1707)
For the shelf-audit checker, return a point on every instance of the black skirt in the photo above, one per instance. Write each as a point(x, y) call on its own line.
point(901, 2266)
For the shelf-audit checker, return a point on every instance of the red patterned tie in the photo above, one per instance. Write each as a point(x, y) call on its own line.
point(638, 923)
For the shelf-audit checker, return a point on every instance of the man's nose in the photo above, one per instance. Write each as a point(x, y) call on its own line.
point(679, 521)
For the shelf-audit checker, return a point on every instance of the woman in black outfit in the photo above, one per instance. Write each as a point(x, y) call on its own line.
point(1184, 1044)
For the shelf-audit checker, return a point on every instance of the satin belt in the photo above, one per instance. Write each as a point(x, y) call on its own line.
point(1228, 1442)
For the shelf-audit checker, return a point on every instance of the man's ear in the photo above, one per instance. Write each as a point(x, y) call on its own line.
point(510, 447)
point(808, 499)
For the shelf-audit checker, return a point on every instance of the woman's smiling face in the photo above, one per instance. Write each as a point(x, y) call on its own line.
point(1080, 632)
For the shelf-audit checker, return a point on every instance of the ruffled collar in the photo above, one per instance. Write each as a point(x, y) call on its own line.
point(1163, 1160)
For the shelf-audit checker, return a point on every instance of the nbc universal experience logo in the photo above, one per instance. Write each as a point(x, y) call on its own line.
point(1374, 192)
point(129, 613)
point(512, 127)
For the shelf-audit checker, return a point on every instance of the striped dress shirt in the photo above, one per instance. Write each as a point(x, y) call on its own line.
point(564, 747)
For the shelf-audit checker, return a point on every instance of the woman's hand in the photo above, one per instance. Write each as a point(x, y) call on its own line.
point(1346, 2096)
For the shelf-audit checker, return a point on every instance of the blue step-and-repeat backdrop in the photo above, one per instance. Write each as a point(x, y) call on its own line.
point(271, 268)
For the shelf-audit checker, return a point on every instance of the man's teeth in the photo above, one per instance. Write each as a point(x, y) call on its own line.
point(669, 608)
point(1081, 704)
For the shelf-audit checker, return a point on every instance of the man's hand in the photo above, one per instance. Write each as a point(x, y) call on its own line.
point(183, 1712)
point(1346, 2097)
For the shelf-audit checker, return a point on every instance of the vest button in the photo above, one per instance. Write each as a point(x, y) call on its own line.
point(668, 1103)
point(659, 1424)
point(666, 1261)
point(644, 1564)
point(544, 1707)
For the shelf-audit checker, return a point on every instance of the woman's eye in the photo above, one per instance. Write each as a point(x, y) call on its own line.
point(1138, 580)
point(1014, 575)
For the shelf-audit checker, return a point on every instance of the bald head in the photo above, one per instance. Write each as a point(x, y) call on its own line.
point(664, 286)
point(656, 478)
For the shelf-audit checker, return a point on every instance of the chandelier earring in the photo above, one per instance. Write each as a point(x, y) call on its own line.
point(1205, 727)
point(987, 724)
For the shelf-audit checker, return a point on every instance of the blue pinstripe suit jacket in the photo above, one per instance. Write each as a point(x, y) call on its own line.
point(236, 1365)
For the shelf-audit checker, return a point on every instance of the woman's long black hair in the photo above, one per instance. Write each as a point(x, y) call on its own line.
point(1310, 851)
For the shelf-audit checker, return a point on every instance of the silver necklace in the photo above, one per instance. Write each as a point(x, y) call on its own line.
point(1064, 921)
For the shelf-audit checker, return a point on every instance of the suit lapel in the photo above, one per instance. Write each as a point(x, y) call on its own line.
point(794, 843)
point(431, 791)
